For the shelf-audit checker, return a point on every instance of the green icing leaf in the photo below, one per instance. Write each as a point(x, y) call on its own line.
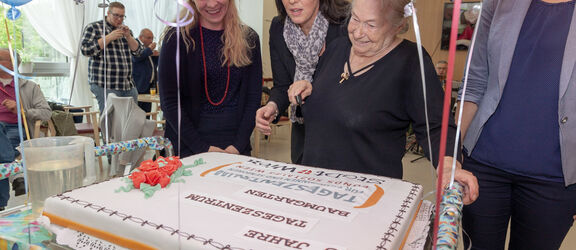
point(126, 188)
point(129, 186)
point(149, 190)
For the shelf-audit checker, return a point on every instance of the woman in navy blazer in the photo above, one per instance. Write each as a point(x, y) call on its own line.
point(519, 124)
point(303, 14)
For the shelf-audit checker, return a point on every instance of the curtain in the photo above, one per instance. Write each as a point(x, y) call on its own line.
point(62, 32)
point(61, 22)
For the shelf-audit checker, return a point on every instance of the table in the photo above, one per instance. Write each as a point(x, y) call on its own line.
point(149, 98)
point(19, 231)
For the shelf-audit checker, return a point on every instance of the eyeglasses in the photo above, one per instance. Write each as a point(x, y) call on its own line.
point(118, 16)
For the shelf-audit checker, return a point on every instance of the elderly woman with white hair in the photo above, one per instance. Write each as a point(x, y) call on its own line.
point(367, 92)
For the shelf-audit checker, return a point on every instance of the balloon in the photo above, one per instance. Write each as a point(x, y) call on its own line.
point(14, 13)
point(15, 2)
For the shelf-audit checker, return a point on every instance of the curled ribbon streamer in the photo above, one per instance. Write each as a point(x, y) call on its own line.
point(445, 113)
point(464, 87)
point(178, 23)
point(21, 116)
point(14, 73)
point(422, 73)
point(449, 211)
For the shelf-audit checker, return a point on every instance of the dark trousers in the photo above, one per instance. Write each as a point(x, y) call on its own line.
point(146, 106)
point(540, 212)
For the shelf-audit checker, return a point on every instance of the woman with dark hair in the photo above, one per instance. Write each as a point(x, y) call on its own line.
point(298, 37)
point(220, 81)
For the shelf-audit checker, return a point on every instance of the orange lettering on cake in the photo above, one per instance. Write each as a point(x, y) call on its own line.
point(374, 198)
point(216, 168)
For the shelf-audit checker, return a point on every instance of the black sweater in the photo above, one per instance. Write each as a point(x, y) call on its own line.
point(361, 124)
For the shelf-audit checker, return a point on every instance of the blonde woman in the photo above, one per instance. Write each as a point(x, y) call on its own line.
point(220, 79)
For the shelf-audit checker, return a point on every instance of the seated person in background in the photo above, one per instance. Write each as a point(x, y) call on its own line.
point(144, 67)
point(441, 68)
point(366, 96)
point(220, 81)
point(32, 100)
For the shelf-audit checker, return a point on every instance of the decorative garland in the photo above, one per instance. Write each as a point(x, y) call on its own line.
point(450, 217)
point(155, 143)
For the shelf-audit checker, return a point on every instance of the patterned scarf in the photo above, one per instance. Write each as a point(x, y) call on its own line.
point(305, 50)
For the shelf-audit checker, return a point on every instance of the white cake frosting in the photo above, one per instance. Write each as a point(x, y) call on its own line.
point(239, 202)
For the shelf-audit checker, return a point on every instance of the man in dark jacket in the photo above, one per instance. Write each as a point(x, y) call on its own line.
point(144, 67)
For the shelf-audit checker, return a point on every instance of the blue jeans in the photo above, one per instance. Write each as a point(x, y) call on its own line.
point(540, 212)
point(11, 131)
point(99, 93)
point(6, 156)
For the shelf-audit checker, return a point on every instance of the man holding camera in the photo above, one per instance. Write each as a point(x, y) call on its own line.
point(110, 68)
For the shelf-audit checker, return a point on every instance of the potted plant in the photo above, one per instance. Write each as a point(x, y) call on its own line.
point(26, 64)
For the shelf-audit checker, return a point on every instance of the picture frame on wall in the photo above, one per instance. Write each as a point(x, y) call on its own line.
point(469, 16)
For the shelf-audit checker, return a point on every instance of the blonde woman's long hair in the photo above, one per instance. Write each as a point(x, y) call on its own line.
point(236, 50)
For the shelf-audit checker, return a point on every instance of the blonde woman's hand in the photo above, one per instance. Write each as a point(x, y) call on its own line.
point(216, 149)
point(264, 116)
point(232, 150)
point(302, 88)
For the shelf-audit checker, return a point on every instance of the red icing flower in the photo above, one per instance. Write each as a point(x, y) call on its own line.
point(164, 181)
point(148, 165)
point(153, 177)
point(168, 169)
point(158, 172)
point(175, 160)
point(137, 178)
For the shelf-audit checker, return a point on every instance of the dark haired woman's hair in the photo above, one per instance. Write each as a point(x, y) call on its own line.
point(336, 11)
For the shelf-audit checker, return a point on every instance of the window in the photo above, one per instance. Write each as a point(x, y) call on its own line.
point(50, 68)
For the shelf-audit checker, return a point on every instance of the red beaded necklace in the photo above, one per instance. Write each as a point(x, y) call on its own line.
point(206, 73)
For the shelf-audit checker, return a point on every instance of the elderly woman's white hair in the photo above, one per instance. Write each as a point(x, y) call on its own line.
point(393, 10)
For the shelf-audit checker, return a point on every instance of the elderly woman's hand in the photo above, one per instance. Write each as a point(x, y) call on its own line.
point(465, 178)
point(302, 88)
